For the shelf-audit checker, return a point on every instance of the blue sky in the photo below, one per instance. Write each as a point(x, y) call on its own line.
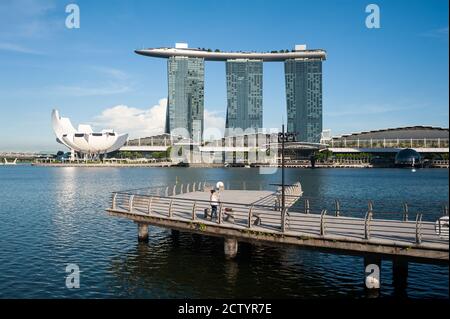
point(373, 78)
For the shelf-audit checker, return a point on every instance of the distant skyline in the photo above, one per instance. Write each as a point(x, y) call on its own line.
point(373, 78)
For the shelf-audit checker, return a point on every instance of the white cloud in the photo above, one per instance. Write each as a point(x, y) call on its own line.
point(111, 72)
point(27, 18)
point(441, 33)
point(5, 46)
point(73, 90)
point(136, 122)
point(146, 122)
point(109, 81)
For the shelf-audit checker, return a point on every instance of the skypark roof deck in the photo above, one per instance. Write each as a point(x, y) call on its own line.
point(216, 55)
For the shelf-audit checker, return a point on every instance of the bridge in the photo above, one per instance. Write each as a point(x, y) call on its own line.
point(388, 145)
point(144, 148)
point(11, 156)
point(256, 216)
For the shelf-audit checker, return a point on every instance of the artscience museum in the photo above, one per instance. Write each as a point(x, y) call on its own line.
point(83, 142)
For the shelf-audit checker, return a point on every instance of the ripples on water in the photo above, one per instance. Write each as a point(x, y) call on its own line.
point(51, 217)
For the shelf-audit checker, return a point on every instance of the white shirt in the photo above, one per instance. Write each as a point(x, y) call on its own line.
point(215, 199)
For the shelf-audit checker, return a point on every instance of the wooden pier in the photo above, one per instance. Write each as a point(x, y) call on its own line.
point(256, 216)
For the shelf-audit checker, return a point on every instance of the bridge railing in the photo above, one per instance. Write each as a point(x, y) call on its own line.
point(384, 209)
point(389, 143)
point(182, 186)
point(404, 227)
point(188, 209)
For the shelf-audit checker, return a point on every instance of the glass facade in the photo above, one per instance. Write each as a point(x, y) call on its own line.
point(304, 98)
point(244, 95)
point(407, 157)
point(185, 103)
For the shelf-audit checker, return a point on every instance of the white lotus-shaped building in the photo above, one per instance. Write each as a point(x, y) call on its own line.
point(84, 140)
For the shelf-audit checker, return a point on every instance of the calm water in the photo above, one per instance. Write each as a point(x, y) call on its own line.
point(51, 217)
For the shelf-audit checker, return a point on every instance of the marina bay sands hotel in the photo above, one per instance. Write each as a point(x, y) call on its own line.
point(244, 78)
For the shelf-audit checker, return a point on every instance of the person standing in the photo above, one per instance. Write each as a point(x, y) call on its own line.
point(214, 201)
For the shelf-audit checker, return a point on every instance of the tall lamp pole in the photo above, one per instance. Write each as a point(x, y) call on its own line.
point(282, 168)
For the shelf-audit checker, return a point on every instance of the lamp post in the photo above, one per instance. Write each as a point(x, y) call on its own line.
point(282, 167)
point(282, 137)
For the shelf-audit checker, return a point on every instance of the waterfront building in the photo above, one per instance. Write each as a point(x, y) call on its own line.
point(83, 141)
point(379, 146)
point(424, 139)
point(304, 98)
point(408, 158)
point(185, 96)
point(383, 146)
point(244, 95)
point(244, 88)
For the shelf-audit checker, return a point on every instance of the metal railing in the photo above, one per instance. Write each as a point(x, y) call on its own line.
point(301, 218)
point(388, 143)
point(180, 187)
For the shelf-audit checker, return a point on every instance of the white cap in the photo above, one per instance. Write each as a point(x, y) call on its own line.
point(219, 185)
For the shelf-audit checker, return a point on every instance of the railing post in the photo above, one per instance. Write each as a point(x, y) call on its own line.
point(306, 206)
point(445, 210)
point(149, 208)
point(418, 229)
point(113, 203)
point(130, 205)
point(284, 220)
point(181, 189)
point(337, 206)
point(367, 220)
point(174, 191)
point(250, 215)
point(194, 216)
point(405, 211)
point(220, 214)
point(170, 209)
point(439, 226)
point(166, 193)
point(322, 222)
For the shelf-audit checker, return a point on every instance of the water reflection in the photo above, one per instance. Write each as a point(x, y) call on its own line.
point(194, 266)
point(60, 216)
point(231, 271)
